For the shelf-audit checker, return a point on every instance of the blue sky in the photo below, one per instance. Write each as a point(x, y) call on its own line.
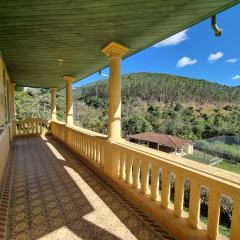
point(195, 52)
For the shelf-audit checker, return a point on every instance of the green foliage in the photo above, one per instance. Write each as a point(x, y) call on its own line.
point(178, 107)
point(154, 111)
point(136, 124)
point(32, 103)
point(94, 124)
point(152, 116)
point(61, 105)
point(163, 103)
point(95, 102)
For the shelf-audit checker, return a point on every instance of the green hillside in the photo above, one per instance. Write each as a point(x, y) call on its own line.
point(166, 88)
point(156, 102)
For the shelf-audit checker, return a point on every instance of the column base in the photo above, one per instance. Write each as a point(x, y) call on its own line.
point(114, 139)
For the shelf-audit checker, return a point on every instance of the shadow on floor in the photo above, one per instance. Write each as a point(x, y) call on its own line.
point(55, 196)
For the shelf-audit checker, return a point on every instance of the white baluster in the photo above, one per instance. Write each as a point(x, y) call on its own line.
point(154, 182)
point(102, 155)
point(194, 204)
point(235, 224)
point(213, 214)
point(122, 165)
point(165, 187)
point(144, 177)
point(179, 195)
point(129, 161)
point(136, 173)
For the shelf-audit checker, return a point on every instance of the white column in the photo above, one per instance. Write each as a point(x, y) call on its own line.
point(53, 104)
point(114, 52)
point(69, 99)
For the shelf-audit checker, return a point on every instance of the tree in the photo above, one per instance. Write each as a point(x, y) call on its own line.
point(154, 111)
point(136, 124)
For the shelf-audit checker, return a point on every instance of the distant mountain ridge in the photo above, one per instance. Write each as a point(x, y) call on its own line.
point(165, 88)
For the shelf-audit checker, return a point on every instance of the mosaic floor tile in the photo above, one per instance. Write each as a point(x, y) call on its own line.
point(64, 199)
point(57, 222)
point(22, 236)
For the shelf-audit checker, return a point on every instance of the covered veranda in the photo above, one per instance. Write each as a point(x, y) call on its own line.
point(59, 181)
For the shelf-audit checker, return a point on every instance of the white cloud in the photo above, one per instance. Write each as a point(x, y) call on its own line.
point(236, 77)
point(215, 56)
point(185, 61)
point(173, 40)
point(231, 60)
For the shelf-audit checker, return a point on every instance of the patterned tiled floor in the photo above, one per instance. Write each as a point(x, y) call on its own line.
point(55, 196)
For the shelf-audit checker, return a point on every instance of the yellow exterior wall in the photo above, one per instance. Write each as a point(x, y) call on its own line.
point(5, 119)
point(4, 151)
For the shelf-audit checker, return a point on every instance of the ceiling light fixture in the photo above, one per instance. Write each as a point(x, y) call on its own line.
point(60, 61)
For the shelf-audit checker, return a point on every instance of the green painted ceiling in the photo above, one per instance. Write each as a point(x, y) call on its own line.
point(34, 34)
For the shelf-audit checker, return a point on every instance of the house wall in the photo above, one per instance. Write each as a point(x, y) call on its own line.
point(188, 149)
point(5, 137)
point(6, 130)
point(2, 109)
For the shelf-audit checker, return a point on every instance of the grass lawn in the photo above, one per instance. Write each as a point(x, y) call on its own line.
point(222, 229)
point(229, 166)
point(223, 165)
point(199, 157)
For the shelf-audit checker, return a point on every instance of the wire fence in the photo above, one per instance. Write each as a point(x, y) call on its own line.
point(214, 150)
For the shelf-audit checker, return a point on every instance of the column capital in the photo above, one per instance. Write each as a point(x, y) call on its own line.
point(12, 85)
point(69, 79)
point(114, 49)
point(53, 89)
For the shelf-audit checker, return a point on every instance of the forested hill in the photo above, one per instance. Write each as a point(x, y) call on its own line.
point(165, 88)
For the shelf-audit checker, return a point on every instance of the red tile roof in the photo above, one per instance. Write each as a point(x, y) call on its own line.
point(161, 139)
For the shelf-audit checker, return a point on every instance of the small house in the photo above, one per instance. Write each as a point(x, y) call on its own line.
point(163, 142)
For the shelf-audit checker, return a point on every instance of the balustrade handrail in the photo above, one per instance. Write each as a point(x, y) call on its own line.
point(32, 126)
point(82, 130)
point(32, 120)
point(180, 162)
point(221, 180)
point(174, 161)
point(87, 143)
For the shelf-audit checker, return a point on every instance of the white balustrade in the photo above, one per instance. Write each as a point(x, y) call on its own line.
point(31, 127)
point(148, 172)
